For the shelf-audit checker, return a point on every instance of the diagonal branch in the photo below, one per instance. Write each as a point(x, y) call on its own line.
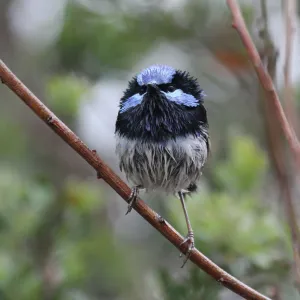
point(274, 113)
point(265, 79)
point(121, 188)
point(276, 151)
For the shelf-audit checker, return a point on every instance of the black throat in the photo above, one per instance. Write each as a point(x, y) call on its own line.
point(157, 120)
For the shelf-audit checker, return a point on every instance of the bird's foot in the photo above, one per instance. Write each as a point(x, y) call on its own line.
point(132, 198)
point(191, 245)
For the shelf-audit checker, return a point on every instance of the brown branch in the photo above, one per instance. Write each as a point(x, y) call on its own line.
point(265, 79)
point(271, 121)
point(289, 7)
point(278, 159)
point(121, 188)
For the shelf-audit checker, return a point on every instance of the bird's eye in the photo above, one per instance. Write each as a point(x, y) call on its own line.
point(171, 88)
point(142, 90)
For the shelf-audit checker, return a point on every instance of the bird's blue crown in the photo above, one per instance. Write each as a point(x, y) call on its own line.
point(157, 74)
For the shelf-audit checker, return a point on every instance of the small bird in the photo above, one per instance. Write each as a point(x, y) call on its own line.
point(162, 135)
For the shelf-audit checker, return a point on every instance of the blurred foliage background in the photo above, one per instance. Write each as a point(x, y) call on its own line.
point(63, 233)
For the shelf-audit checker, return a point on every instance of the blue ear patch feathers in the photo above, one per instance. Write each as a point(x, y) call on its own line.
point(131, 102)
point(181, 98)
point(157, 74)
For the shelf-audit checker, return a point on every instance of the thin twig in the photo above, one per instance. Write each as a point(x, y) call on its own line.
point(275, 148)
point(265, 79)
point(121, 188)
point(277, 157)
point(271, 118)
point(276, 151)
point(290, 13)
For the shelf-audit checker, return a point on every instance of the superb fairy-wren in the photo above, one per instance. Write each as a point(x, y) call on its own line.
point(162, 135)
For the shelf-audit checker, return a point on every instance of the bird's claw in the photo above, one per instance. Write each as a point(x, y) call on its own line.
point(132, 199)
point(191, 245)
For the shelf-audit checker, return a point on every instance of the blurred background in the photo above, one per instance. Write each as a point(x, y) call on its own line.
point(63, 233)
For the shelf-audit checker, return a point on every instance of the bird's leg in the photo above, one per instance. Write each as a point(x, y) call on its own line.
point(133, 197)
point(190, 236)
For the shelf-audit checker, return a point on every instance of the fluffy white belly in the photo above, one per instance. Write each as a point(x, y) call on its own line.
point(171, 166)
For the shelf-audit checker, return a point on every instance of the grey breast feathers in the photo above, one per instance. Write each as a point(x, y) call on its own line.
point(170, 166)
